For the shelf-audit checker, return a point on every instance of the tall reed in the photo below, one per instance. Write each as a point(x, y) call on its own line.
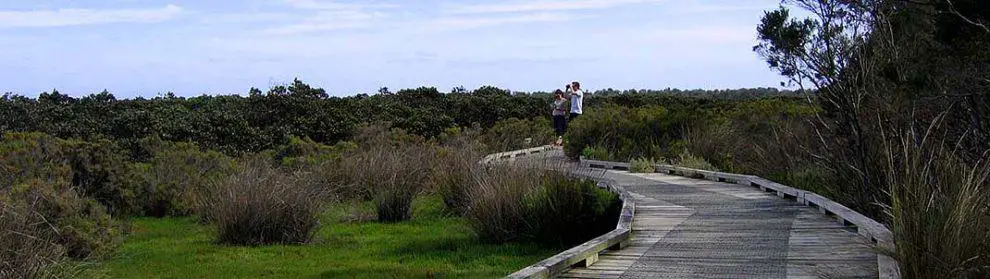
point(939, 208)
point(260, 206)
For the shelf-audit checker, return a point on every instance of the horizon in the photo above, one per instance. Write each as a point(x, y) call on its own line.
point(392, 90)
point(149, 48)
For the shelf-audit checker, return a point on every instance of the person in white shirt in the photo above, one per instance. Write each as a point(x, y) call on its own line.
point(577, 96)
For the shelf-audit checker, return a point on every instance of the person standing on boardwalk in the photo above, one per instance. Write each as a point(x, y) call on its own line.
point(576, 97)
point(559, 116)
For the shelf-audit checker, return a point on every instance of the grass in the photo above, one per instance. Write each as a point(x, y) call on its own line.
point(431, 245)
point(939, 208)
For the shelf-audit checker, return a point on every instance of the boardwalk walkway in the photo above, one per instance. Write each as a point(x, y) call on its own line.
point(689, 228)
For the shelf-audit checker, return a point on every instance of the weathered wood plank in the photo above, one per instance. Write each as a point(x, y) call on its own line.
point(817, 244)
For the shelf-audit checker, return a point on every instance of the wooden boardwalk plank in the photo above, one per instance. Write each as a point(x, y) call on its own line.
point(691, 228)
point(735, 232)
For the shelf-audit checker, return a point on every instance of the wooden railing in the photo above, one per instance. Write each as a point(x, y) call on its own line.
point(512, 155)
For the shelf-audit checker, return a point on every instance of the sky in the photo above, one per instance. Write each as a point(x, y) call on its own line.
point(192, 47)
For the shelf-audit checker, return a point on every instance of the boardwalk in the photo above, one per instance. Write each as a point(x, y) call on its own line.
point(688, 228)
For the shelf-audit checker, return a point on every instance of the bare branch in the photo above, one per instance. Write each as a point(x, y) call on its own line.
point(952, 9)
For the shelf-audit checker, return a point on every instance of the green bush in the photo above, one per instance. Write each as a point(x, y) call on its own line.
point(100, 170)
point(451, 174)
point(392, 176)
point(37, 175)
point(497, 213)
point(595, 153)
point(518, 203)
point(171, 182)
point(301, 152)
point(29, 246)
point(260, 205)
point(642, 165)
point(940, 208)
point(512, 134)
point(97, 168)
point(567, 212)
point(628, 133)
point(693, 162)
point(82, 226)
point(378, 134)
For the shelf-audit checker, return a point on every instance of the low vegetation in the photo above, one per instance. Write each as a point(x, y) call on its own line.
point(72, 169)
point(557, 210)
point(642, 165)
point(68, 201)
point(40, 201)
point(432, 244)
point(452, 174)
point(394, 176)
point(939, 208)
point(260, 206)
point(170, 182)
point(30, 246)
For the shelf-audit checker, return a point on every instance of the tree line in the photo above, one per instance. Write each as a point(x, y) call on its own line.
point(264, 120)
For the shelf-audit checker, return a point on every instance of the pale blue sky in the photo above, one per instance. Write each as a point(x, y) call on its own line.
point(191, 47)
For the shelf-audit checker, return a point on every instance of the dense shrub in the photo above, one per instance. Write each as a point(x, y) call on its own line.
point(940, 209)
point(515, 134)
point(497, 212)
point(642, 165)
point(170, 183)
point(37, 176)
point(913, 66)
point(97, 168)
point(392, 176)
point(451, 174)
point(378, 134)
point(762, 137)
point(262, 120)
point(100, 170)
point(693, 162)
point(629, 133)
point(25, 156)
point(81, 225)
point(302, 152)
point(260, 205)
point(567, 211)
point(596, 153)
point(29, 248)
point(514, 203)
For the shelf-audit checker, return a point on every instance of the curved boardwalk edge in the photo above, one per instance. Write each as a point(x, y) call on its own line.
point(874, 231)
point(585, 254)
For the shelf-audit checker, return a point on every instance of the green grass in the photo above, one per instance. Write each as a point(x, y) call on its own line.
point(432, 245)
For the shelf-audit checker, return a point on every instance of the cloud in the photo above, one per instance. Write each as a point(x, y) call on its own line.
point(234, 18)
point(543, 6)
point(322, 16)
point(707, 34)
point(329, 5)
point(70, 17)
point(449, 24)
point(329, 21)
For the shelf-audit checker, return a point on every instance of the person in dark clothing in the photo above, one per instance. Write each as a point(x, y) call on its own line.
point(559, 116)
